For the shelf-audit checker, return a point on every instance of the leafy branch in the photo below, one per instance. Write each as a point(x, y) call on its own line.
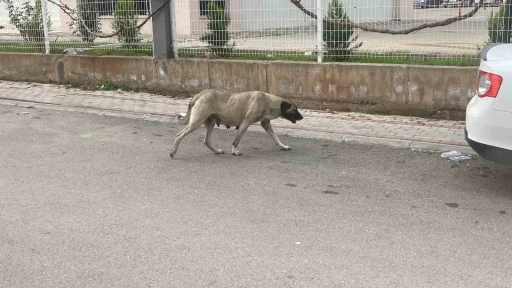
point(351, 24)
point(71, 12)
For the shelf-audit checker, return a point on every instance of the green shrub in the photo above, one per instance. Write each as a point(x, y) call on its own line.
point(125, 16)
point(217, 36)
point(496, 26)
point(339, 39)
point(86, 10)
point(29, 21)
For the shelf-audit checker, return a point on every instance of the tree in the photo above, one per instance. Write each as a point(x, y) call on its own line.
point(495, 26)
point(87, 10)
point(125, 21)
point(217, 36)
point(340, 40)
point(29, 21)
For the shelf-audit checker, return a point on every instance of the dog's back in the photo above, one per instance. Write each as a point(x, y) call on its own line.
point(223, 100)
point(207, 93)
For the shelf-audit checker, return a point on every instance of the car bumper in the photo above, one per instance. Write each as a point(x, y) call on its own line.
point(491, 153)
point(488, 131)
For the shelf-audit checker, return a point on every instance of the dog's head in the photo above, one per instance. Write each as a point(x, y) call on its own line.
point(289, 111)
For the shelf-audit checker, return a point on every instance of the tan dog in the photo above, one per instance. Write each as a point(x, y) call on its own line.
point(241, 110)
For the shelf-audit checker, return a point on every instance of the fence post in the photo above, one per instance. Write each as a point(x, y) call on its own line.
point(44, 10)
point(319, 30)
point(174, 37)
point(162, 35)
point(506, 22)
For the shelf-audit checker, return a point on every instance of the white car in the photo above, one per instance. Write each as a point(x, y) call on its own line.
point(491, 3)
point(469, 3)
point(456, 3)
point(489, 113)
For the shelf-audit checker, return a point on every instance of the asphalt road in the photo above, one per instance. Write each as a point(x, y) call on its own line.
point(96, 201)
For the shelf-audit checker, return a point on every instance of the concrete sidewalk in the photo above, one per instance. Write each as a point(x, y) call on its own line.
point(396, 131)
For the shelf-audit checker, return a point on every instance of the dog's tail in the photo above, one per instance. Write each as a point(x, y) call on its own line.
point(180, 118)
point(183, 119)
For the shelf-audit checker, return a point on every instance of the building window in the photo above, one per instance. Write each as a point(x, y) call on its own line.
point(203, 5)
point(106, 7)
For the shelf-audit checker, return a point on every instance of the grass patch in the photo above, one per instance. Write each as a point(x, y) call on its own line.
point(390, 58)
point(146, 49)
point(21, 47)
point(108, 85)
point(384, 58)
point(143, 49)
point(119, 52)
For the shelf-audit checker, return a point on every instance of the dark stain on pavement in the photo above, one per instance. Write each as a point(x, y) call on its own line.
point(452, 205)
point(329, 155)
point(330, 192)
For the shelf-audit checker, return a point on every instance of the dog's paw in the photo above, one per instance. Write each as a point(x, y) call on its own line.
point(220, 151)
point(172, 155)
point(235, 152)
point(286, 148)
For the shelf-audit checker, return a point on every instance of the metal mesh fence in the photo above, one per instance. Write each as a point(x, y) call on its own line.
point(23, 25)
point(248, 28)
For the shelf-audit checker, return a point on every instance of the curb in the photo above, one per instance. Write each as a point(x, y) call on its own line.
point(413, 145)
point(365, 140)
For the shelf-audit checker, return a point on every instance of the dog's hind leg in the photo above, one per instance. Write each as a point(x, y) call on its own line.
point(208, 137)
point(268, 127)
point(239, 133)
point(193, 125)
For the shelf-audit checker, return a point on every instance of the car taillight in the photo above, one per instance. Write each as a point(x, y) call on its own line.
point(488, 84)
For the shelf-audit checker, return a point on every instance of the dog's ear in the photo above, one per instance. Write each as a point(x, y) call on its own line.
point(285, 106)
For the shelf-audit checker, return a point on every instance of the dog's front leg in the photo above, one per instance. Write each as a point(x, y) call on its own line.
point(239, 133)
point(268, 127)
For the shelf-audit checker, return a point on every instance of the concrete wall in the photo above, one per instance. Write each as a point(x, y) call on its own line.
point(397, 89)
